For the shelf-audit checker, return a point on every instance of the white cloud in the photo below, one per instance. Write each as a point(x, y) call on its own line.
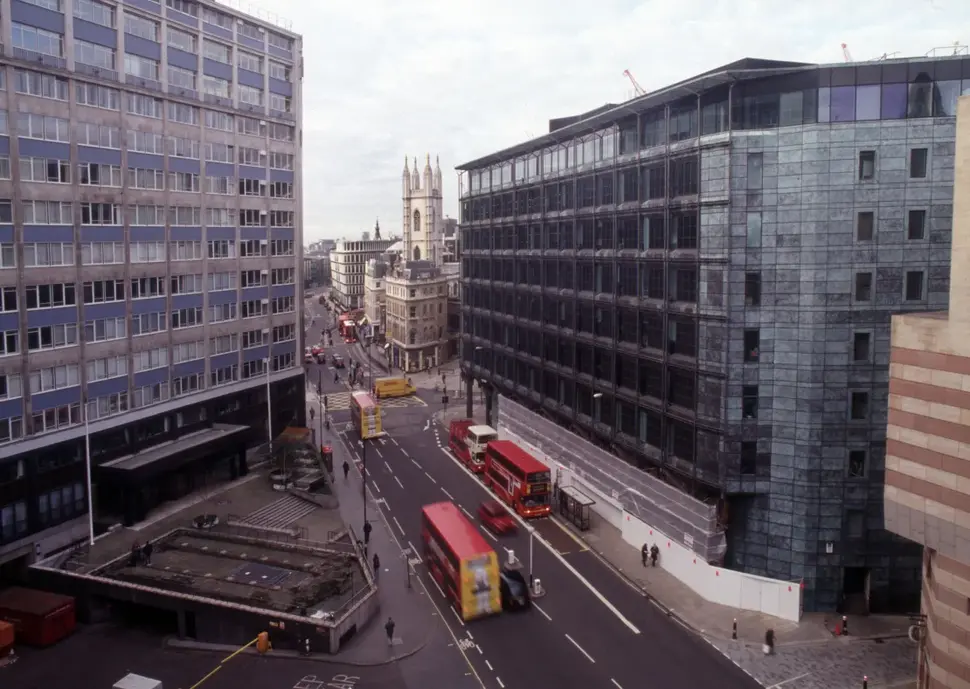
point(389, 78)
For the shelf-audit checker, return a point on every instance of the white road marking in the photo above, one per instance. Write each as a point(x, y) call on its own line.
point(790, 679)
point(415, 552)
point(403, 451)
point(544, 613)
point(382, 441)
point(499, 680)
point(376, 487)
point(481, 653)
point(489, 666)
point(470, 636)
point(430, 477)
point(490, 535)
point(573, 641)
point(398, 525)
point(466, 512)
point(555, 553)
point(458, 617)
point(378, 453)
point(388, 466)
point(450, 496)
point(415, 463)
point(394, 441)
point(399, 482)
point(615, 683)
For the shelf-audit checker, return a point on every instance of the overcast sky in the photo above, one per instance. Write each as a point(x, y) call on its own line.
point(460, 79)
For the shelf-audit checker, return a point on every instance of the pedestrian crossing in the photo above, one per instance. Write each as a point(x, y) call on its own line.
point(281, 513)
point(340, 401)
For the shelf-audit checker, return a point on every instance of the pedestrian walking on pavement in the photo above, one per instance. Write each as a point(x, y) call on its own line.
point(644, 554)
point(367, 530)
point(377, 566)
point(346, 469)
point(389, 628)
point(146, 552)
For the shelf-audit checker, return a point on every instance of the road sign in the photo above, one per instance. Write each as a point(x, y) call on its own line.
point(444, 399)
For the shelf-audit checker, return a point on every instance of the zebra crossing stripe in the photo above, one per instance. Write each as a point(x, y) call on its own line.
point(281, 513)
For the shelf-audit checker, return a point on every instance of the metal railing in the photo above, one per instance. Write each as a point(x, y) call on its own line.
point(259, 13)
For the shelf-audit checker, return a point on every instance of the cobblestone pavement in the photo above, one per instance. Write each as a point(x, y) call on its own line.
point(836, 664)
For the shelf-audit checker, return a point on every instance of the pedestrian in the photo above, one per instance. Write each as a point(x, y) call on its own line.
point(135, 554)
point(336, 377)
point(146, 552)
point(346, 469)
point(377, 566)
point(644, 554)
point(654, 554)
point(367, 530)
point(389, 628)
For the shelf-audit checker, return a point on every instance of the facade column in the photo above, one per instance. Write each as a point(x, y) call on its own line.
point(468, 394)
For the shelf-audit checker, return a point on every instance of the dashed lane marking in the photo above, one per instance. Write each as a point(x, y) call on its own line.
point(544, 613)
point(489, 665)
point(398, 525)
point(581, 649)
point(615, 683)
point(378, 453)
point(388, 466)
point(415, 463)
point(430, 478)
point(399, 482)
point(466, 512)
point(499, 680)
point(450, 496)
point(460, 621)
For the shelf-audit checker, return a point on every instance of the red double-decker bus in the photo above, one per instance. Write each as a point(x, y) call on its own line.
point(518, 478)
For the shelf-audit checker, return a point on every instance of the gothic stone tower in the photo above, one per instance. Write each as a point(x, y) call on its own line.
point(423, 214)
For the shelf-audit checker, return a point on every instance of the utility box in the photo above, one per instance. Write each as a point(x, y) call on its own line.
point(133, 681)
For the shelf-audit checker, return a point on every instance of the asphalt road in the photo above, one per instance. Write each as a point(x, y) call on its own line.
point(590, 629)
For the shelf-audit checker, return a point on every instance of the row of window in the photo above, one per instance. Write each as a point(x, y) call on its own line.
point(53, 507)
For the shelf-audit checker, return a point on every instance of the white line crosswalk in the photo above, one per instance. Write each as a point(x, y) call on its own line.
point(340, 401)
point(281, 513)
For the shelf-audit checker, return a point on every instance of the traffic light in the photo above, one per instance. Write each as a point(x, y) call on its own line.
point(262, 642)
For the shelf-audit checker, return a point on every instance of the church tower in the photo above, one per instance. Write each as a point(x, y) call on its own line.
point(423, 212)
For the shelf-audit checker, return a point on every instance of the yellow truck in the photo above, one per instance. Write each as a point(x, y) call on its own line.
point(385, 388)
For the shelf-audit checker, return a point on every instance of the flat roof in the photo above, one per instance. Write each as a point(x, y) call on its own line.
point(578, 495)
point(481, 430)
point(461, 534)
point(522, 459)
point(186, 442)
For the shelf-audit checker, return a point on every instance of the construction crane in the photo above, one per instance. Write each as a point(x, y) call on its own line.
point(639, 90)
point(845, 53)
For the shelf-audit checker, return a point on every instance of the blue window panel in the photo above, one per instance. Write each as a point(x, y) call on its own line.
point(276, 51)
point(45, 149)
point(182, 17)
point(188, 368)
point(283, 290)
point(103, 156)
point(4, 145)
point(250, 172)
point(220, 233)
point(253, 233)
point(248, 78)
point(186, 301)
point(41, 17)
point(279, 86)
point(223, 361)
point(6, 234)
point(9, 321)
point(251, 43)
point(102, 233)
point(58, 316)
point(284, 348)
point(48, 233)
point(281, 233)
point(95, 33)
point(55, 398)
point(184, 165)
point(150, 233)
point(222, 296)
point(113, 309)
point(147, 160)
point(182, 59)
point(103, 388)
point(255, 353)
point(214, 68)
point(214, 30)
point(186, 234)
point(281, 175)
point(220, 169)
point(257, 293)
point(148, 5)
point(153, 305)
point(136, 45)
point(11, 408)
point(153, 377)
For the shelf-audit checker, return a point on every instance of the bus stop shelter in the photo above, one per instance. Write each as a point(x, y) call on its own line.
point(575, 506)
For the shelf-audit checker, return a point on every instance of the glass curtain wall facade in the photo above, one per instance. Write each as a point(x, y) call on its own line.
point(704, 283)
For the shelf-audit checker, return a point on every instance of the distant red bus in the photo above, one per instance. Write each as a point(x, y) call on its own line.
point(467, 442)
point(518, 478)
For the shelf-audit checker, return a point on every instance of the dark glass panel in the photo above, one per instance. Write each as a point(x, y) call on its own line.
point(791, 108)
point(945, 95)
point(843, 103)
point(810, 106)
point(920, 98)
point(843, 76)
point(867, 102)
point(893, 101)
point(824, 104)
point(868, 74)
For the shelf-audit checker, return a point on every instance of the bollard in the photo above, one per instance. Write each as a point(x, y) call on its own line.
point(307, 645)
point(865, 682)
point(769, 645)
point(537, 588)
point(734, 629)
point(845, 626)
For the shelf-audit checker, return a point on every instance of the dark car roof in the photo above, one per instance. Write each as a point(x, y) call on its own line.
point(493, 507)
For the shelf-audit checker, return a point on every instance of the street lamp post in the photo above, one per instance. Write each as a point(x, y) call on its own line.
point(532, 533)
point(87, 471)
point(597, 396)
point(269, 411)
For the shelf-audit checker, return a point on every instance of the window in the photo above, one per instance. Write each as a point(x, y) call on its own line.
point(749, 402)
point(51, 419)
point(222, 312)
point(219, 52)
point(147, 323)
point(185, 216)
point(50, 296)
point(95, 96)
point(9, 342)
point(220, 185)
point(150, 359)
point(752, 345)
point(279, 103)
point(107, 405)
point(248, 156)
point(249, 125)
point(754, 231)
point(52, 5)
point(858, 405)
point(250, 95)
point(48, 213)
point(146, 178)
point(214, 86)
point(861, 346)
point(224, 344)
point(101, 214)
point(141, 67)
point(186, 318)
point(40, 127)
point(752, 289)
point(93, 54)
point(8, 256)
point(186, 385)
point(283, 304)
point(248, 61)
point(863, 287)
point(141, 27)
point(146, 106)
point(51, 337)
point(867, 165)
point(252, 187)
point(94, 12)
point(281, 161)
point(253, 338)
point(253, 278)
point(35, 40)
point(281, 42)
point(914, 285)
point(917, 163)
point(186, 114)
point(221, 281)
point(220, 217)
point(183, 181)
point(48, 254)
point(103, 253)
point(148, 395)
point(285, 276)
point(916, 225)
point(45, 170)
point(284, 333)
point(41, 85)
point(254, 308)
point(185, 251)
point(8, 299)
point(221, 121)
point(249, 248)
point(184, 6)
point(148, 252)
point(145, 142)
point(222, 248)
point(100, 135)
point(281, 218)
point(183, 40)
point(865, 226)
point(277, 70)
point(281, 132)
point(142, 288)
point(188, 351)
point(224, 375)
point(281, 190)
point(755, 171)
point(216, 18)
point(181, 78)
point(219, 153)
point(54, 378)
point(101, 291)
point(110, 367)
point(11, 386)
point(857, 464)
point(4, 120)
point(146, 215)
point(95, 175)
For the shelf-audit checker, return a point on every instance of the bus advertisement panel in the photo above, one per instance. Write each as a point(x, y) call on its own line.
point(518, 478)
point(461, 561)
point(366, 415)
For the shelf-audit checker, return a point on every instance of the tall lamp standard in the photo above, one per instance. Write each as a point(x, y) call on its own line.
point(269, 409)
point(87, 470)
point(597, 396)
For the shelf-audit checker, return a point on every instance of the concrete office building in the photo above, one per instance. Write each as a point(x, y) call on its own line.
point(150, 254)
point(348, 261)
point(928, 448)
point(702, 279)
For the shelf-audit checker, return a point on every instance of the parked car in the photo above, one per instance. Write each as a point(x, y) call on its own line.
point(496, 518)
point(337, 361)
